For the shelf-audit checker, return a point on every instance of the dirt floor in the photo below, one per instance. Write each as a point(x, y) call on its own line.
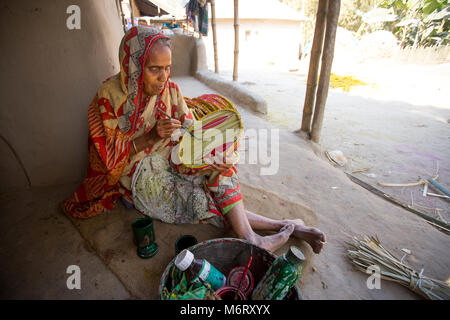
point(38, 243)
point(343, 208)
point(397, 126)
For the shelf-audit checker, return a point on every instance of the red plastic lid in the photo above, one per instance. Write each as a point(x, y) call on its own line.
point(234, 278)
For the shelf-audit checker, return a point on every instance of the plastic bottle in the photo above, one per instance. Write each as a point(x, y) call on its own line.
point(282, 275)
point(195, 268)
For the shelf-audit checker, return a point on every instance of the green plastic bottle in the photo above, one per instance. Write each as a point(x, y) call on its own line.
point(282, 275)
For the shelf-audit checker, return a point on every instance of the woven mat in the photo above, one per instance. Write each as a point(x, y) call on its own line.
point(111, 237)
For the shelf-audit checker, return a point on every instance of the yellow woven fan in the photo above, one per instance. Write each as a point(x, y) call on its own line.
point(211, 139)
point(214, 135)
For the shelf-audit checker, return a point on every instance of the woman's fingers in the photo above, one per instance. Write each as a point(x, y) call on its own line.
point(221, 158)
point(217, 167)
point(170, 126)
point(165, 127)
point(169, 122)
point(221, 167)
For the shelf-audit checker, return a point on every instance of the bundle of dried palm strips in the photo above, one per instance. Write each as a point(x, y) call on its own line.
point(369, 251)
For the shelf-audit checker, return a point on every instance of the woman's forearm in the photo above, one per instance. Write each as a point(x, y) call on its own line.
point(143, 142)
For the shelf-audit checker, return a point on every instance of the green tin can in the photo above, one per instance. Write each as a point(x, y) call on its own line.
point(282, 275)
point(144, 237)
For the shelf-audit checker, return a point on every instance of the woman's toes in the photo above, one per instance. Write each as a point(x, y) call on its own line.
point(298, 222)
point(318, 247)
point(323, 238)
point(288, 229)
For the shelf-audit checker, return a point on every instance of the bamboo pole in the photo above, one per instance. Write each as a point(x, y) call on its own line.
point(325, 69)
point(135, 13)
point(314, 63)
point(236, 39)
point(213, 25)
point(132, 13)
point(187, 24)
point(122, 15)
point(396, 201)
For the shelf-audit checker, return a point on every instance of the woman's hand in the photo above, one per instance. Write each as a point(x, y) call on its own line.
point(221, 163)
point(162, 130)
point(165, 127)
point(221, 167)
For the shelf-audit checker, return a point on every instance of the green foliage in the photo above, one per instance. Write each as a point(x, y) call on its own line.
point(350, 16)
point(422, 22)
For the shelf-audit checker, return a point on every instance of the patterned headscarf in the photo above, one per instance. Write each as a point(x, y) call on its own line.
point(133, 53)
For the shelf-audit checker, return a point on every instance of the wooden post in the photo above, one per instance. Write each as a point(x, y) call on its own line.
point(314, 62)
point(187, 24)
point(134, 11)
point(122, 15)
point(325, 69)
point(236, 39)
point(213, 26)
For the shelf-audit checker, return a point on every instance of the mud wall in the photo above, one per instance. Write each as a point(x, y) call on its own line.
point(49, 75)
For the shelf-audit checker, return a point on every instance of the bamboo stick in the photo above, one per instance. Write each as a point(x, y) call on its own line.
point(314, 62)
point(360, 170)
point(436, 185)
point(413, 184)
point(213, 25)
point(438, 195)
point(440, 227)
point(325, 69)
point(397, 202)
point(236, 39)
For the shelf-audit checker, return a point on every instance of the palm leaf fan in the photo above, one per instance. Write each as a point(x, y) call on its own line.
point(215, 134)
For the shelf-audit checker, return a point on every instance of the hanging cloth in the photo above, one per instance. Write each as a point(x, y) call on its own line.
point(197, 13)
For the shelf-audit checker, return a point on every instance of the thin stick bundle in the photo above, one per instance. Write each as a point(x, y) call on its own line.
point(368, 251)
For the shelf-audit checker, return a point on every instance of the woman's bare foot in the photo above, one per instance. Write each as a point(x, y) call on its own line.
point(314, 237)
point(273, 242)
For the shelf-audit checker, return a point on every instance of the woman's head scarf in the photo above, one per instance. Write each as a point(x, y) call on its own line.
point(133, 53)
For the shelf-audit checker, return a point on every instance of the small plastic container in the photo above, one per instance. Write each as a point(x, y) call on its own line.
point(144, 237)
point(229, 293)
point(234, 280)
point(184, 242)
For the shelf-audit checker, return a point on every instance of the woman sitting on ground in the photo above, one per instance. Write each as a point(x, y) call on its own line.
point(130, 154)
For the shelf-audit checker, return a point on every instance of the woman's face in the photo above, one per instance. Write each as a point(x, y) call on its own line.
point(157, 69)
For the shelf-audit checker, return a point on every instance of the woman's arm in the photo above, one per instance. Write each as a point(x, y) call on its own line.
point(143, 142)
point(162, 130)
